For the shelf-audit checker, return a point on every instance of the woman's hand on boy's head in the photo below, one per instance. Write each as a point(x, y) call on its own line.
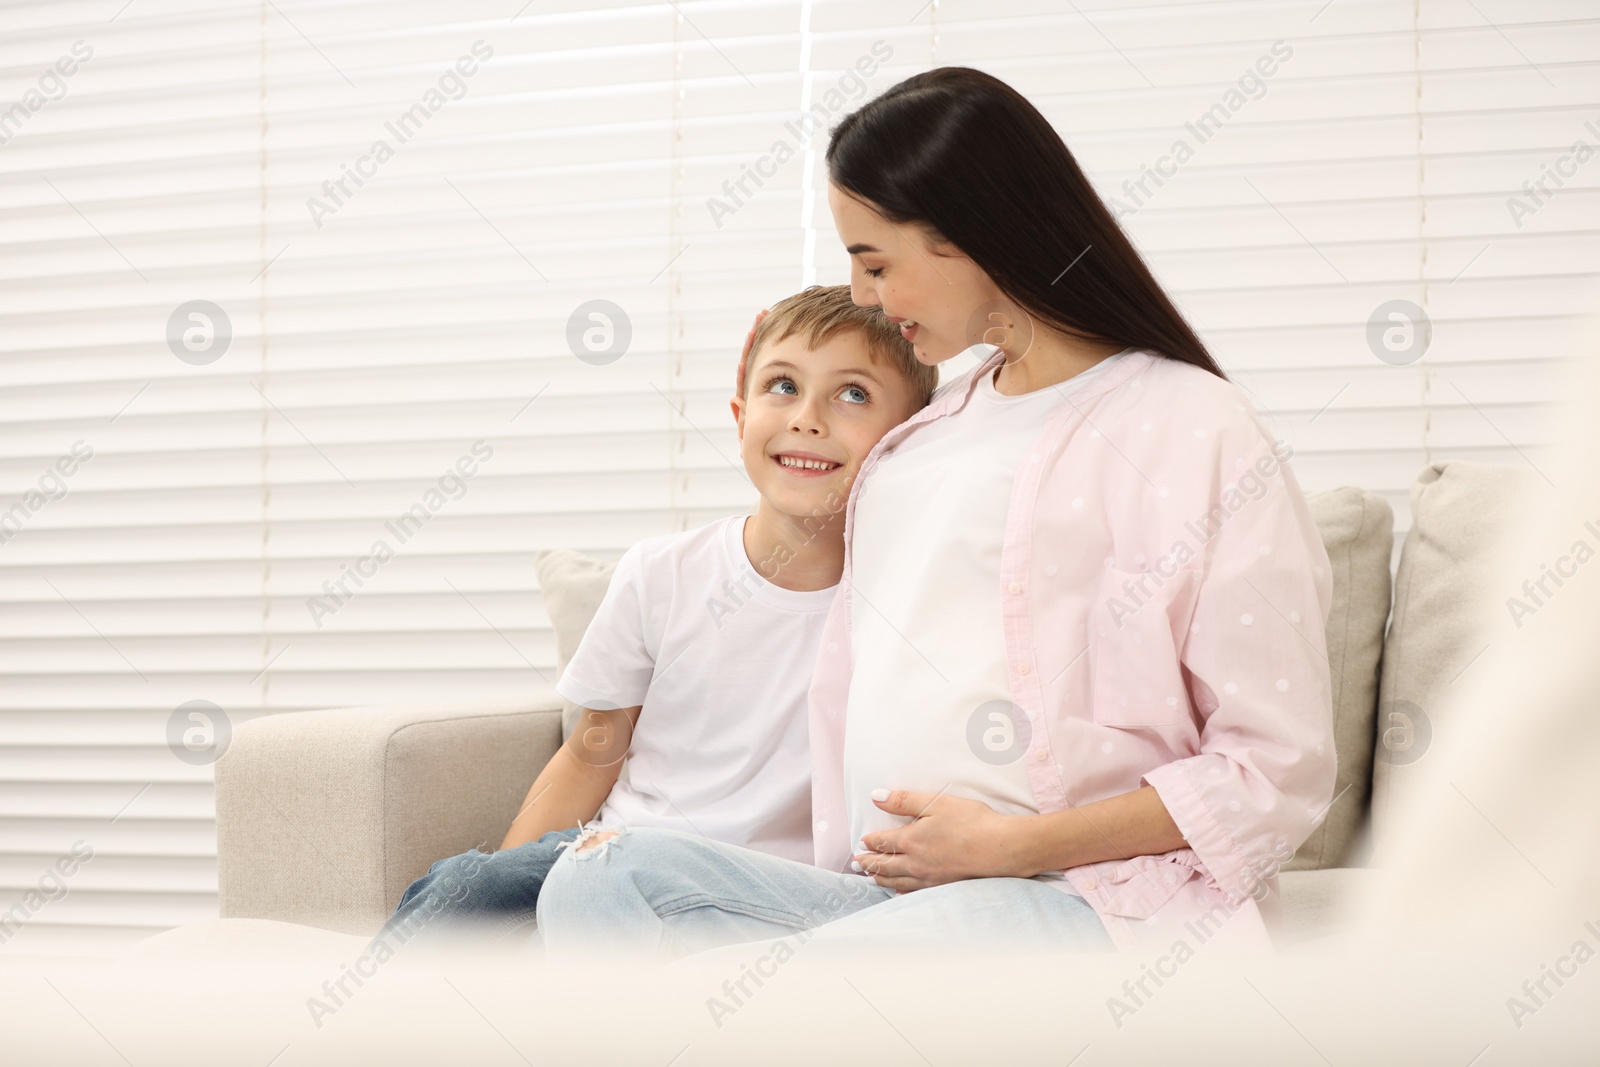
point(949, 839)
point(744, 356)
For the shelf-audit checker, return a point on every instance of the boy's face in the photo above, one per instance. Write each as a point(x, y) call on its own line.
point(810, 416)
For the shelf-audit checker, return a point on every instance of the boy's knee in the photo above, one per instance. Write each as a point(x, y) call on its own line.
point(594, 840)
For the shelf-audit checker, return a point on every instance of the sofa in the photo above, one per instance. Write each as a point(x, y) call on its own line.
point(324, 817)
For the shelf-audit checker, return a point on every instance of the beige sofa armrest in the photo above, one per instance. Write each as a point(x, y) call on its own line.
point(324, 817)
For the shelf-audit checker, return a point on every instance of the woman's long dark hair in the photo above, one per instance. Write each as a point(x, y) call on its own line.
point(964, 153)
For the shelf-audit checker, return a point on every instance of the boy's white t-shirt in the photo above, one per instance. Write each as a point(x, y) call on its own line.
point(929, 662)
point(721, 661)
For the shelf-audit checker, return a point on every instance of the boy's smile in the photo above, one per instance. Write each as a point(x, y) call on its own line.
point(806, 464)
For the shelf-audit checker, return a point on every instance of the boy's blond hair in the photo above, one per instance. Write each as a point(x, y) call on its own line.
point(823, 311)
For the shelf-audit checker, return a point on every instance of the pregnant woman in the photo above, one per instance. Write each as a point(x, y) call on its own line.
point(1072, 693)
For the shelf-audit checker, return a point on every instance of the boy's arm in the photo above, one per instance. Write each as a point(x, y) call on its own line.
point(578, 778)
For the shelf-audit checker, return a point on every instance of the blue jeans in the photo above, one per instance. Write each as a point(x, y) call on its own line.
point(666, 894)
point(494, 893)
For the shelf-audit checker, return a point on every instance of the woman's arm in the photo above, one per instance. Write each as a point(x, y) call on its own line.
point(1116, 828)
point(578, 778)
point(952, 838)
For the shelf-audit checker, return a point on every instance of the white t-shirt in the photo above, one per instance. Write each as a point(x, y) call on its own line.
point(929, 706)
point(721, 660)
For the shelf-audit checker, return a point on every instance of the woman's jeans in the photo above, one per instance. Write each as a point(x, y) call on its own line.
point(666, 894)
point(493, 894)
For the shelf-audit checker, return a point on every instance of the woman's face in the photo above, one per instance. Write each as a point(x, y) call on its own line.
point(943, 302)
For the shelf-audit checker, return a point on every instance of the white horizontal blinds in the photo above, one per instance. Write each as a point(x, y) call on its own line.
point(1505, 102)
point(419, 312)
point(130, 577)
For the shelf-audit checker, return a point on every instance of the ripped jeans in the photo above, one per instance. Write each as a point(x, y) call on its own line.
point(493, 893)
point(665, 894)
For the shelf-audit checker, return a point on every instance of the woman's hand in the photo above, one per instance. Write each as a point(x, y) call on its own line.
point(749, 343)
point(949, 839)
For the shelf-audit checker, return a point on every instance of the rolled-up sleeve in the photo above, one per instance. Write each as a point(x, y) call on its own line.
point(1256, 665)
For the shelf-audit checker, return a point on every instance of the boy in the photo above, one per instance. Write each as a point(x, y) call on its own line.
point(692, 679)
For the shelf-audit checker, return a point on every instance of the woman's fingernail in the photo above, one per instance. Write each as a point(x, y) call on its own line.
point(880, 794)
point(861, 846)
point(854, 866)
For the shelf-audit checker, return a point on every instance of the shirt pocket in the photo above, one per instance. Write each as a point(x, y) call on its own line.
point(1135, 631)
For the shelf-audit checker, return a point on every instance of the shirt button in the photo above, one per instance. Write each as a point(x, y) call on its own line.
point(1016, 588)
point(1091, 884)
point(822, 827)
point(1022, 669)
point(1042, 756)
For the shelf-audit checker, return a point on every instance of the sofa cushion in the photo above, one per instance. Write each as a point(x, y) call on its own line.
point(1357, 530)
point(572, 585)
point(1446, 600)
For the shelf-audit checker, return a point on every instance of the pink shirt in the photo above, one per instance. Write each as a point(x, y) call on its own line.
point(1164, 593)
